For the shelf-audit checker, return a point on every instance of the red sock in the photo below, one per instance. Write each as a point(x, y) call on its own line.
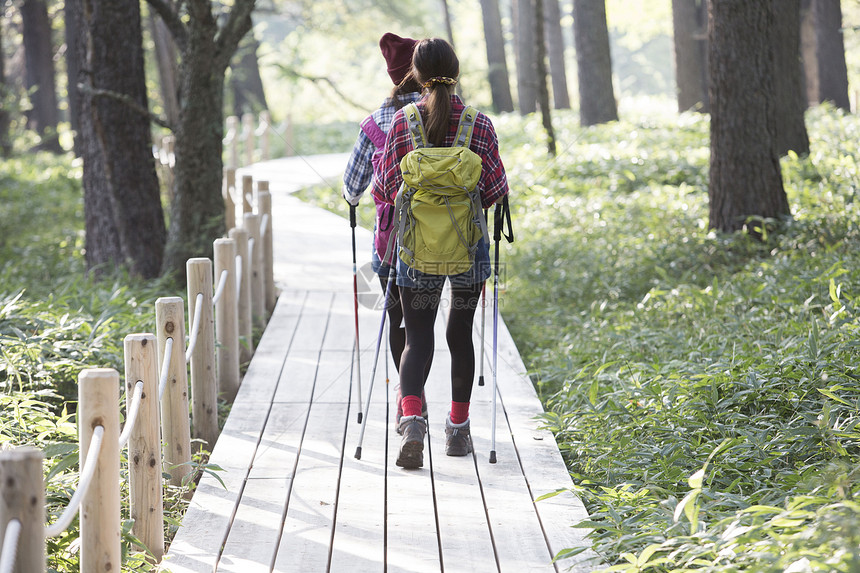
point(459, 412)
point(411, 405)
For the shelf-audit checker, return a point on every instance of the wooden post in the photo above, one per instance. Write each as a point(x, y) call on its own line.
point(262, 186)
point(248, 133)
point(264, 204)
point(204, 387)
point(228, 193)
point(98, 397)
point(22, 497)
point(175, 423)
point(144, 444)
point(258, 293)
point(232, 140)
point(265, 122)
point(227, 320)
point(247, 194)
point(246, 334)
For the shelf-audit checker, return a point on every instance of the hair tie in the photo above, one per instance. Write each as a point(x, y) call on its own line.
point(439, 80)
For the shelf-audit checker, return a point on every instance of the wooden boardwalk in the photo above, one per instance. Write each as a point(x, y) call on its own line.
point(297, 500)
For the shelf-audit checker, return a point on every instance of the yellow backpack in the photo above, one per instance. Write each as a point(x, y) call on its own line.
point(440, 220)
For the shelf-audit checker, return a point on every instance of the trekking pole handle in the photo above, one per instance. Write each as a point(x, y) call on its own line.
point(352, 222)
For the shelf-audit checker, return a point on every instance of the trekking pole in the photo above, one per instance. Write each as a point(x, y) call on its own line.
point(352, 223)
point(375, 359)
point(501, 213)
point(483, 322)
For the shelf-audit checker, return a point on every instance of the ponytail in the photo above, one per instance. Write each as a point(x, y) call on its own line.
point(435, 66)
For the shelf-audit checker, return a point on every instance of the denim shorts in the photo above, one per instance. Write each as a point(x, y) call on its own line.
point(480, 271)
point(378, 266)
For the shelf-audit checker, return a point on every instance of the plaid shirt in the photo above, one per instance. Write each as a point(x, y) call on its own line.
point(359, 170)
point(493, 184)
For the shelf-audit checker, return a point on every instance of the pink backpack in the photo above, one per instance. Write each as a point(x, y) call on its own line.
point(384, 211)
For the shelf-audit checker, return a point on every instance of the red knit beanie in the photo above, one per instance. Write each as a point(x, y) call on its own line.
point(397, 52)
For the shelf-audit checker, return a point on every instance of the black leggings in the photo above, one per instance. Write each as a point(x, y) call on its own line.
point(396, 333)
point(419, 313)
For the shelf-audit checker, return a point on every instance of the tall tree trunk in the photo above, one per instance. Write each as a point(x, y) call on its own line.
point(500, 87)
point(745, 178)
point(167, 60)
point(555, 47)
point(38, 51)
point(540, 67)
point(245, 81)
point(124, 218)
point(446, 13)
point(689, 19)
point(808, 50)
point(524, 43)
point(830, 47)
point(5, 97)
point(73, 35)
point(197, 212)
point(594, 63)
point(789, 91)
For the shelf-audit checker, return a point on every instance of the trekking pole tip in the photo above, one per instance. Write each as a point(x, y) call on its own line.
point(359, 417)
point(493, 456)
point(480, 380)
point(358, 453)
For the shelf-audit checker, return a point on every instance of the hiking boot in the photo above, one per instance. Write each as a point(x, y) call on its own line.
point(413, 429)
point(400, 408)
point(458, 438)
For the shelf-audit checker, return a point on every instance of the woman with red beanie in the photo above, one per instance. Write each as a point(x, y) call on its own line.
point(435, 67)
point(397, 52)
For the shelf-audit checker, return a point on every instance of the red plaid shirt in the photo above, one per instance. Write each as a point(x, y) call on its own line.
point(493, 184)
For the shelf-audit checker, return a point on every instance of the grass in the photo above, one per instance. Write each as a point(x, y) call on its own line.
point(703, 388)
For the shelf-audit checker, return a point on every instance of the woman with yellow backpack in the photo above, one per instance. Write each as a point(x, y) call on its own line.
point(452, 172)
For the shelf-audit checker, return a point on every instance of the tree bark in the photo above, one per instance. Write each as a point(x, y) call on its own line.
point(830, 48)
point(38, 51)
point(496, 60)
point(789, 91)
point(555, 48)
point(5, 97)
point(73, 34)
point(197, 211)
point(594, 63)
point(525, 56)
point(245, 81)
point(166, 60)
point(540, 67)
point(124, 218)
point(689, 19)
point(745, 177)
point(446, 13)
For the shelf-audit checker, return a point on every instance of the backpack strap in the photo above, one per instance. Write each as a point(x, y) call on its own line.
point(372, 130)
point(465, 127)
point(416, 126)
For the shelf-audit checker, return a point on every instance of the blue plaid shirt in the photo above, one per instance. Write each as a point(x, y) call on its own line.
point(359, 171)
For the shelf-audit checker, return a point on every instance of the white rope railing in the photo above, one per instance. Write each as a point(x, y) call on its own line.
point(264, 225)
point(195, 327)
point(10, 546)
point(88, 470)
point(165, 366)
point(222, 282)
point(131, 414)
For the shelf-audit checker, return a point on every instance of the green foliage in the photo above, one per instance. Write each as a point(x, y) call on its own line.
point(703, 387)
point(55, 320)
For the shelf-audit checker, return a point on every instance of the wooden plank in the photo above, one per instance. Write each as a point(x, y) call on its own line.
point(412, 535)
point(519, 540)
point(308, 526)
point(261, 378)
point(314, 321)
point(543, 466)
point(464, 534)
point(358, 544)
